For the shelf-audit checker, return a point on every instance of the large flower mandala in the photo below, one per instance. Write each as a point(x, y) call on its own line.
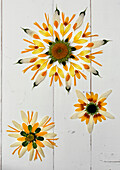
point(32, 136)
point(65, 53)
point(90, 108)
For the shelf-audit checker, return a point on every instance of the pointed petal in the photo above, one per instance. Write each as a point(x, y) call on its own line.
point(31, 154)
point(72, 70)
point(38, 43)
point(85, 59)
point(52, 71)
point(24, 117)
point(60, 72)
point(77, 36)
point(81, 96)
point(84, 52)
point(41, 151)
point(23, 152)
point(48, 128)
point(34, 119)
point(43, 121)
point(108, 115)
point(39, 50)
point(14, 135)
point(62, 29)
point(17, 125)
point(67, 29)
point(105, 95)
point(74, 116)
point(48, 144)
point(16, 144)
point(40, 78)
point(76, 66)
point(50, 135)
point(43, 65)
point(81, 41)
point(90, 124)
point(50, 29)
point(45, 33)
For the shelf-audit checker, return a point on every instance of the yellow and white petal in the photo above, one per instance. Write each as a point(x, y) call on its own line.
point(24, 149)
point(106, 114)
point(38, 43)
point(105, 95)
point(48, 127)
point(42, 122)
point(90, 124)
point(74, 116)
point(84, 52)
point(48, 144)
point(31, 33)
point(40, 78)
point(50, 29)
point(62, 29)
point(16, 144)
point(34, 119)
point(98, 43)
point(17, 125)
point(50, 135)
point(85, 59)
point(52, 71)
point(77, 36)
point(60, 72)
point(78, 114)
point(27, 60)
point(43, 65)
point(67, 28)
point(37, 51)
point(81, 96)
point(72, 70)
point(56, 17)
point(14, 135)
point(41, 151)
point(76, 66)
point(81, 41)
point(79, 21)
point(24, 117)
point(31, 154)
point(45, 33)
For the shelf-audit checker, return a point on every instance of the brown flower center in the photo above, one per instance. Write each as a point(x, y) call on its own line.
point(30, 137)
point(59, 51)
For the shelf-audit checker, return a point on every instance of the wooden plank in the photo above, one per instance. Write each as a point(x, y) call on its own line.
point(17, 88)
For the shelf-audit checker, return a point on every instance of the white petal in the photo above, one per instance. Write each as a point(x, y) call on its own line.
point(107, 114)
point(68, 84)
point(97, 43)
point(16, 144)
point(105, 95)
point(81, 96)
point(17, 125)
point(81, 113)
point(24, 117)
point(23, 152)
point(41, 151)
point(48, 144)
point(90, 124)
point(34, 119)
point(43, 120)
point(14, 135)
point(31, 154)
point(39, 79)
point(74, 116)
point(50, 135)
point(48, 128)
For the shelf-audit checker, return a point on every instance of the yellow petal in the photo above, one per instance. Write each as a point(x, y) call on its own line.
point(38, 43)
point(45, 33)
point(77, 36)
point(52, 71)
point(81, 41)
point(41, 61)
point(76, 66)
point(84, 52)
point(60, 72)
point(50, 29)
point(39, 50)
point(62, 29)
point(67, 29)
point(72, 70)
point(85, 59)
point(44, 65)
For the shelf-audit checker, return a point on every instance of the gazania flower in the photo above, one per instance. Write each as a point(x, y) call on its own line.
point(32, 136)
point(61, 51)
point(91, 108)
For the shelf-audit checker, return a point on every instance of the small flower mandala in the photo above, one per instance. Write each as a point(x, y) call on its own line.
point(90, 108)
point(65, 52)
point(32, 136)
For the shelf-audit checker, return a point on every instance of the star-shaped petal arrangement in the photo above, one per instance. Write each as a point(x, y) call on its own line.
point(91, 108)
point(32, 136)
point(61, 50)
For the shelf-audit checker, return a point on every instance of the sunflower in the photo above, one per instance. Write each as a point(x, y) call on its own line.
point(61, 50)
point(32, 136)
point(91, 108)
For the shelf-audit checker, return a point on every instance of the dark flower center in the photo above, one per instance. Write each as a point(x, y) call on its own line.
point(92, 108)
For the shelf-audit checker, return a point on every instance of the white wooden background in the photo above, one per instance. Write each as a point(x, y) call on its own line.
point(74, 141)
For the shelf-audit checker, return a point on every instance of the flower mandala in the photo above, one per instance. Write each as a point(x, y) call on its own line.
point(65, 52)
point(90, 108)
point(32, 136)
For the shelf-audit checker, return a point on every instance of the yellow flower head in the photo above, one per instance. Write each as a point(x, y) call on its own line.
point(91, 108)
point(61, 49)
point(32, 136)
